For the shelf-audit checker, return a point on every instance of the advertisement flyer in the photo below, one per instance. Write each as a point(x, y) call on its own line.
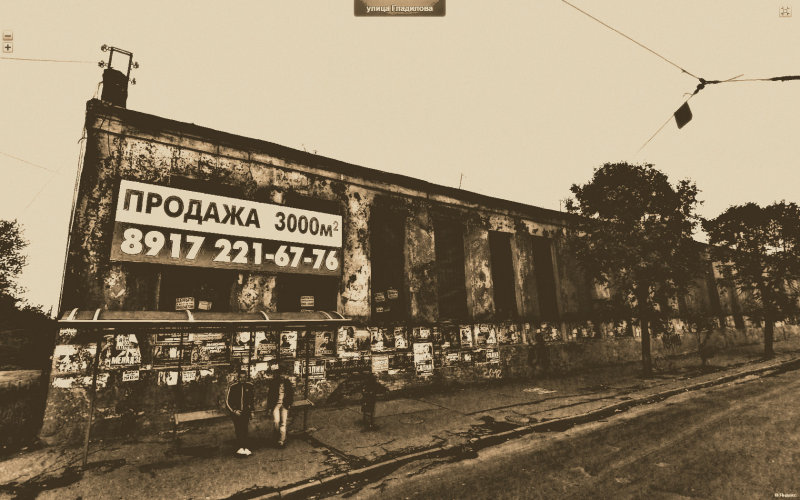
point(376, 339)
point(339, 368)
point(400, 361)
point(346, 344)
point(400, 338)
point(120, 350)
point(380, 364)
point(423, 357)
point(493, 356)
point(363, 340)
point(266, 345)
point(288, 343)
point(466, 336)
point(323, 343)
point(241, 345)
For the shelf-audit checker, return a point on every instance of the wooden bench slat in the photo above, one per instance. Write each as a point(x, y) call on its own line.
point(191, 416)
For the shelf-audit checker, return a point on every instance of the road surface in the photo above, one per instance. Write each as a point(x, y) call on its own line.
point(737, 440)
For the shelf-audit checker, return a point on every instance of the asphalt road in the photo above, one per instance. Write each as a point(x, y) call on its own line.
point(738, 440)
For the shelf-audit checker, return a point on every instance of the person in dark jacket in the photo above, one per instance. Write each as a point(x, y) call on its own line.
point(239, 400)
point(279, 399)
point(370, 392)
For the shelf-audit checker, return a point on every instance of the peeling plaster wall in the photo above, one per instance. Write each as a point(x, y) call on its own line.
point(480, 299)
point(420, 265)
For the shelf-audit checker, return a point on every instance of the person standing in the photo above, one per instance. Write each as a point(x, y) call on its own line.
point(239, 400)
point(279, 399)
point(369, 395)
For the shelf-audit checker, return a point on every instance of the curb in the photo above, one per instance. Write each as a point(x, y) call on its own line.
point(561, 424)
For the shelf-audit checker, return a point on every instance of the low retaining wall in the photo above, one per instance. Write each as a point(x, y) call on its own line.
point(146, 376)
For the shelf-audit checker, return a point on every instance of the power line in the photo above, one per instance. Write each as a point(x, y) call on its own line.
point(28, 162)
point(631, 39)
point(46, 60)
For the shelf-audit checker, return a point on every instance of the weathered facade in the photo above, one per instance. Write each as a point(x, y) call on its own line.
point(486, 283)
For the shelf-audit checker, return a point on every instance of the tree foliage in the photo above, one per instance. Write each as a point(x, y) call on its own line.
point(634, 234)
point(12, 258)
point(759, 248)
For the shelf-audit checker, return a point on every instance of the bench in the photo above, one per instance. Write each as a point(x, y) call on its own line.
point(203, 415)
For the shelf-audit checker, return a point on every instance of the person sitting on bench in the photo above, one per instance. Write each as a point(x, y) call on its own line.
point(279, 399)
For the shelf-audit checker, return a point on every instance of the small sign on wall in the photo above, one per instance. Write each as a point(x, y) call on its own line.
point(204, 305)
point(307, 301)
point(184, 304)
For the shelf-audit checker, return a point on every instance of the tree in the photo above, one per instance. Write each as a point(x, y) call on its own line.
point(12, 260)
point(633, 233)
point(759, 248)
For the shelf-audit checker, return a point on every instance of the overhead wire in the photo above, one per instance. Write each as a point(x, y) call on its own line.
point(28, 162)
point(30, 59)
point(632, 40)
point(702, 81)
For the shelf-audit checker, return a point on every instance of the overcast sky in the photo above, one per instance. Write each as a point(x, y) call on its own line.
point(523, 98)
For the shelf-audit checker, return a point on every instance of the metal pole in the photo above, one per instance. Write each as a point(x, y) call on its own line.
point(305, 389)
point(92, 396)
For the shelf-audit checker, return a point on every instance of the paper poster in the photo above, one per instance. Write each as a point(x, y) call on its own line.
point(315, 369)
point(466, 357)
point(120, 350)
point(266, 345)
point(346, 345)
point(466, 336)
point(380, 364)
point(167, 378)
point(492, 356)
point(130, 375)
point(71, 358)
point(400, 361)
point(323, 343)
point(240, 345)
point(338, 368)
point(288, 343)
point(451, 358)
point(423, 357)
point(400, 339)
point(362, 339)
point(376, 339)
point(484, 334)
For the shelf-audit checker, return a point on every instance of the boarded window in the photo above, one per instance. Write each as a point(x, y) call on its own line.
point(387, 244)
point(449, 246)
point(545, 278)
point(505, 301)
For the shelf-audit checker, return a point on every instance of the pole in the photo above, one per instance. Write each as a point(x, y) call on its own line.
point(305, 388)
point(92, 397)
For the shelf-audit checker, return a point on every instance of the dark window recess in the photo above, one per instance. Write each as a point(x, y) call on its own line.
point(209, 285)
point(290, 287)
point(505, 302)
point(449, 246)
point(387, 244)
point(545, 278)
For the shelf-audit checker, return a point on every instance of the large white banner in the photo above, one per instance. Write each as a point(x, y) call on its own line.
point(152, 205)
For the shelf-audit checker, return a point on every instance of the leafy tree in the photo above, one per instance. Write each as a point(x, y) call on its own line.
point(634, 233)
point(12, 260)
point(759, 248)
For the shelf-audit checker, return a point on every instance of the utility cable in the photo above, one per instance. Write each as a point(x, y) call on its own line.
point(29, 163)
point(631, 39)
point(46, 60)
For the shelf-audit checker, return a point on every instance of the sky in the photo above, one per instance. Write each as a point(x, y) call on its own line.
point(521, 98)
